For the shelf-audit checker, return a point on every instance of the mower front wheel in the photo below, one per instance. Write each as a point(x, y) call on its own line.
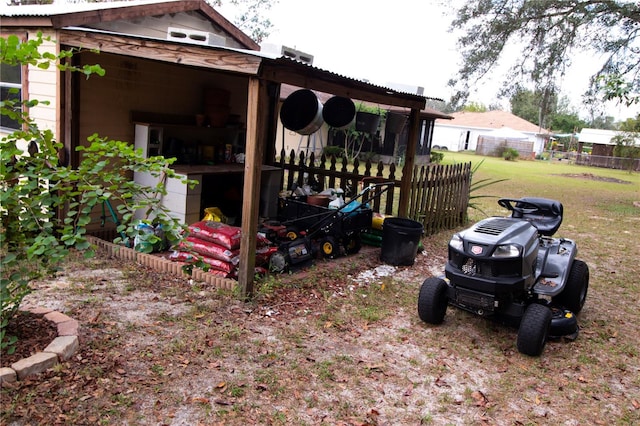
point(432, 300)
point(291, 233)
point(575, 292)
point(534, 329)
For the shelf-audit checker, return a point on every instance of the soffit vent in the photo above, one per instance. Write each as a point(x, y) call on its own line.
point(195, 37)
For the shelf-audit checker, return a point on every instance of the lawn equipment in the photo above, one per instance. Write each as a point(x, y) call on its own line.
point(511, 268)
point(310, 229)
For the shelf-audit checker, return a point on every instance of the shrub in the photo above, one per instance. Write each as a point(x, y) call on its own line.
point(510, 154)
point(335, 151)
point(436, 157)
point(35, 187)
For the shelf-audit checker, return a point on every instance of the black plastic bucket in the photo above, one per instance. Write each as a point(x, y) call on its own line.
point(400, 240)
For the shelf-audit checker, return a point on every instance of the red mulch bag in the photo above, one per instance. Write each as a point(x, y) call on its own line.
point(219, 264)
point(226, 235)
point(217, 232)
point(213, 250)
point(217, 267)
point(182, 256)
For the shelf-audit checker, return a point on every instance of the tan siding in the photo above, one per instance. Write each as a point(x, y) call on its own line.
point(42, 86)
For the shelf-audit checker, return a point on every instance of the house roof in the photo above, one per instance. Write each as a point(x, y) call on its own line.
point(492, 120)
point(58, 15)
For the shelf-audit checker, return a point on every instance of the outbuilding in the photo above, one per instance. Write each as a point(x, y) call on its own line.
point(167, 64)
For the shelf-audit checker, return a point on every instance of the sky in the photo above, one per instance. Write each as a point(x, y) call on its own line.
point(395, 42)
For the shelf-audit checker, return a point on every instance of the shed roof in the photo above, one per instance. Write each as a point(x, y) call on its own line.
point(426, 112)
point(492, 120)
point(58, 15)
point(605, 137)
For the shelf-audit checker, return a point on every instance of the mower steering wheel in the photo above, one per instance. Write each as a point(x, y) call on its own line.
point(520, 207)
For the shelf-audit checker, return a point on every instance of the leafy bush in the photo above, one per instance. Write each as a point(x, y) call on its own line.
point(436, 157)
point(45, 206)
point(510, 154)
point(335, 151)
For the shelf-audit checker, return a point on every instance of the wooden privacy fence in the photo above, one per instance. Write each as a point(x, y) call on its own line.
point(439, 194)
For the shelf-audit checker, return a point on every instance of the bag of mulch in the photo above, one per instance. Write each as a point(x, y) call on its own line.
point(226, 235)
point(220, 265)
point(207, 248)
point(216, 232)
point(214, 264)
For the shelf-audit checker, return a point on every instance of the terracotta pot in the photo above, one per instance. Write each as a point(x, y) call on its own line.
point(318, 200)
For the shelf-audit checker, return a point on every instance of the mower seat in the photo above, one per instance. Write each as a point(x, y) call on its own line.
point(548, 218)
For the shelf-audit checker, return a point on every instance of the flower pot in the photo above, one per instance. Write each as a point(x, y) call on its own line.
point(395, 122)
point(367, 122)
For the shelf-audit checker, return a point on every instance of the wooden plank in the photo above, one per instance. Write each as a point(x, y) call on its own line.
point(257, 101)
point(199, 56)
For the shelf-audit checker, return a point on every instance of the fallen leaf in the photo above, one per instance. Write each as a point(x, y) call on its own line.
point(441, 383)
point(480, 398)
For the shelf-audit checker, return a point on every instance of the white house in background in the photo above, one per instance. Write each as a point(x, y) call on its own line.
point(602, 141)
point(463, 131)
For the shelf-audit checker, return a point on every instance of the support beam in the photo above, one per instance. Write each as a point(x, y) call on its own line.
point(409, 162)
point(257, 108)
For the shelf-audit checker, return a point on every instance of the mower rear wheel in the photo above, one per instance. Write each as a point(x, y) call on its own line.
point(278, 262)
point(329, 248)
point(352, 244)
point(575, 292)
point(432, 300)
point(534, 329)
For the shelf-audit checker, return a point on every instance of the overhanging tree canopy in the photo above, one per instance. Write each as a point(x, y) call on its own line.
point(551, 31)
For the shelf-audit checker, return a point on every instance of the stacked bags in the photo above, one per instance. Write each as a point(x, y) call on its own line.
point(218, 245)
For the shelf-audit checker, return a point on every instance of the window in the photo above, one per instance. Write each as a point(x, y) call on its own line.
point(10, 89)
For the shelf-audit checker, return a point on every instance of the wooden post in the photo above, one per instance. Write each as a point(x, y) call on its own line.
point(256, 110)
point(409, 161)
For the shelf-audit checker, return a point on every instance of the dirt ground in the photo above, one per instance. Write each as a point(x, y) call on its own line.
point(339, 343)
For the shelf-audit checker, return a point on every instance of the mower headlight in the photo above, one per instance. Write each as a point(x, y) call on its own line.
point(456, 242)
point(507, 250)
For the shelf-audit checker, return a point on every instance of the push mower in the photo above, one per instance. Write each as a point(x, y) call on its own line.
point(512, 269)
point(311, 229)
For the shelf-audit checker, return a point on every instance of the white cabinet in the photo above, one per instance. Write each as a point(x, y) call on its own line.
point(185, 203)
point(150, 139)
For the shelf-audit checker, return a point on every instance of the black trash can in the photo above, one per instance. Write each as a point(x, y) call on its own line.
point(400, 240)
